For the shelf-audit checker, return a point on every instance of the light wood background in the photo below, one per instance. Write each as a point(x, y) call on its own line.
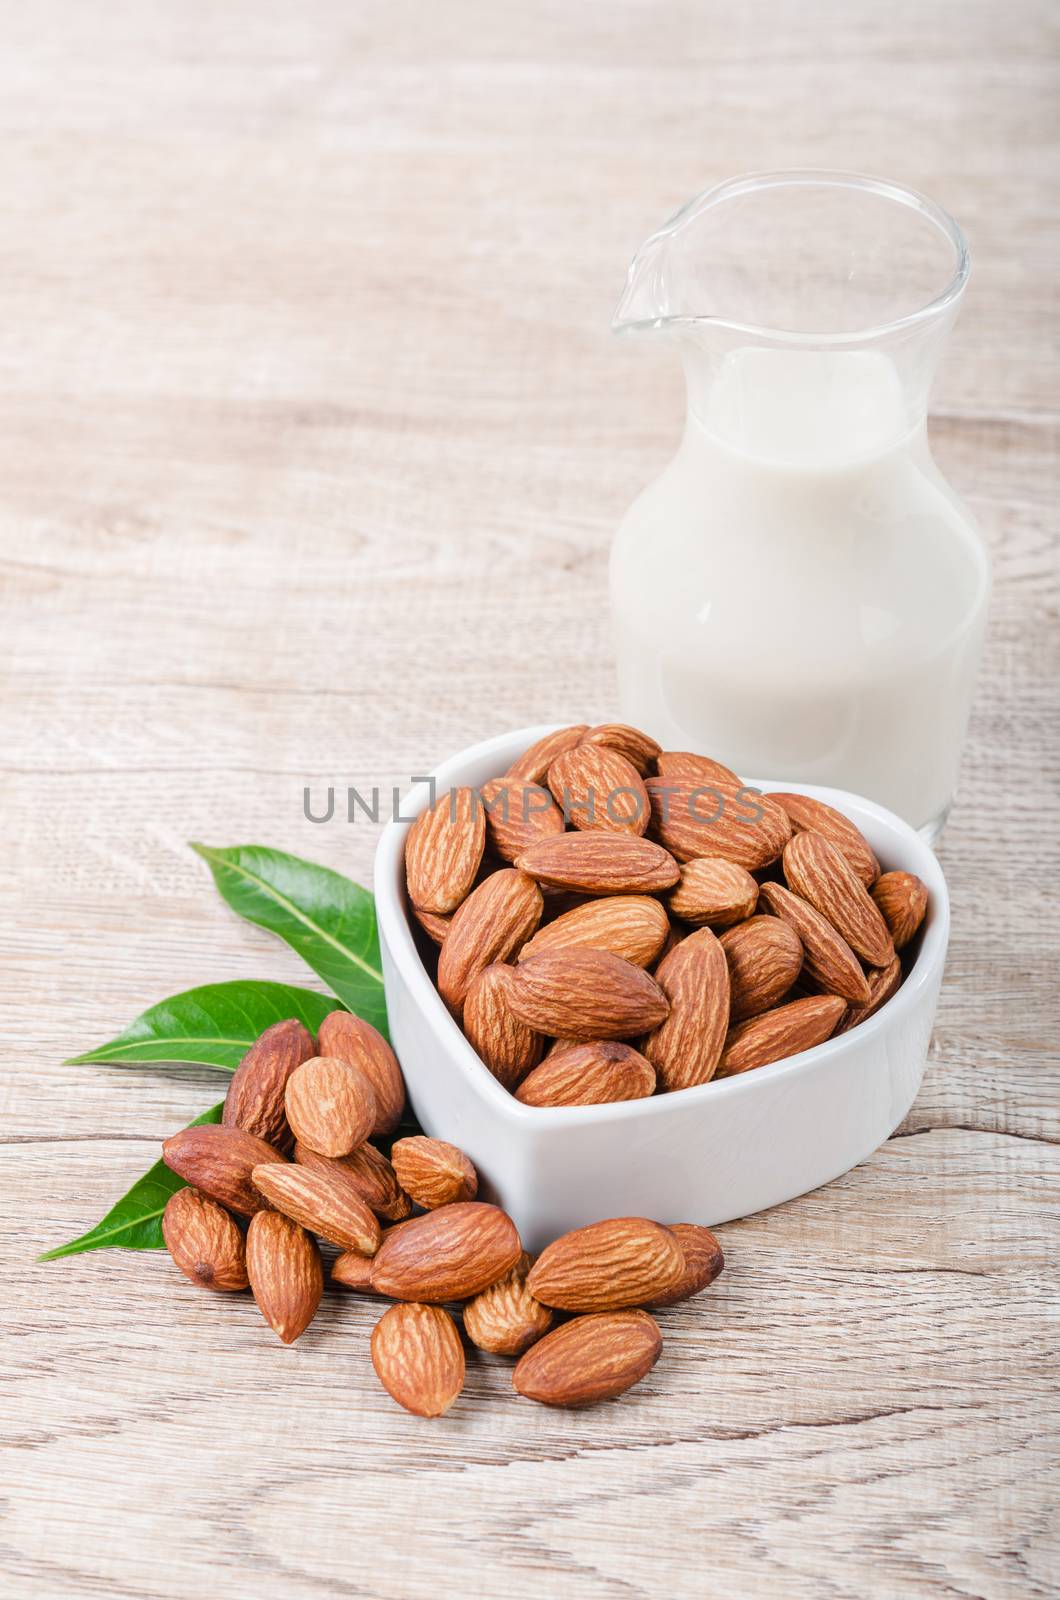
point(313, 439)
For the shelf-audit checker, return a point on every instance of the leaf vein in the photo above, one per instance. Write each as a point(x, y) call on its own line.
point(239, 870)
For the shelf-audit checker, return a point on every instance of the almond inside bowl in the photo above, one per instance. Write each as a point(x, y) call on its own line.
point(720, 1149)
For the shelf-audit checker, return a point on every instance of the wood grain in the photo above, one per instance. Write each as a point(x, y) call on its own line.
point(312, 442)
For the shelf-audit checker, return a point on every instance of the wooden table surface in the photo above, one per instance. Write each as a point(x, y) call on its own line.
point(313, 442)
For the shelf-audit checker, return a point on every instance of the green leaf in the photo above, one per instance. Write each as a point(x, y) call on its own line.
point(135, 1223)
point(213, 1026)
point(327, 919)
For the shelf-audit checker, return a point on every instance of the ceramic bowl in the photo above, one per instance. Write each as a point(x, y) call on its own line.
point(706, 1155)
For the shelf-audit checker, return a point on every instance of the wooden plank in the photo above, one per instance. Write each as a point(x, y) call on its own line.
point(312, 441)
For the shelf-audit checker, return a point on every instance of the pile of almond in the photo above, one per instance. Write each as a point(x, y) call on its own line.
point(292, 1155)
point(604, 891)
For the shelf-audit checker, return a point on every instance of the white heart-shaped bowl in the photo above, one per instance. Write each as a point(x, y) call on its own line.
point(706, 1155)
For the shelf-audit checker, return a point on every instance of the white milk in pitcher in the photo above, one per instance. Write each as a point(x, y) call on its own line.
point(800, 594)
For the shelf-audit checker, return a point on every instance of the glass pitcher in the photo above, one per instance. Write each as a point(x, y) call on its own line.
point(800, 594)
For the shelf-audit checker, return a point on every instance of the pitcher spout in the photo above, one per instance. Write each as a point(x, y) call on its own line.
point(811, 258)
point(787, 292)
point(647, 304)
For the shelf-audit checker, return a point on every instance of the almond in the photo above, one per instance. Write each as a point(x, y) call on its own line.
point(589, 1075)
point(493, 923)
point(595, 787)
point(351, 1039)
point(287, 1279)
point(882, 982)
point(254, 1100)
point(700, 769)
point(902, 898)
point(589, 1359)
point(204, 1241)
point(600, 863)
point(813, 816)
point(533, 764)
point(639, 749)
point(373, 1178)
point(443, 851)
point(784, 1032)
point(505, 1319)
point(322, 1200)
point(434, 926)
point(738, 824)
point(330, 1105)
point(433, 1172)
point(703, 1261)
point(418, 1358)
point(764, 956)
point(624, 1261)
point(353, 1271)
point(449, 1254)
point(220, 1161)
point(633, 926)
point(686, 1047)
point(713, 893)
point(507, 1046)
point(517, 814)
point(817, 871)
point(827, 958)
point(586, 994)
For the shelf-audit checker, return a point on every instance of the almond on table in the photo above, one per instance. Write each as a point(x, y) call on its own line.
point(433, 1172)
point(704, 1260)
point(371, 1174)
point(606, 1266)
point(351, 1039)
point(220, 1162)
point(448, 1254)
point(589, 1359)
point(255, 1098)
point(418, 1358)
point(331, 1106)
point(505, 1319)
point(204, 1241)
point(354, 1271)
point(324, 1200)
point(285, 1272)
